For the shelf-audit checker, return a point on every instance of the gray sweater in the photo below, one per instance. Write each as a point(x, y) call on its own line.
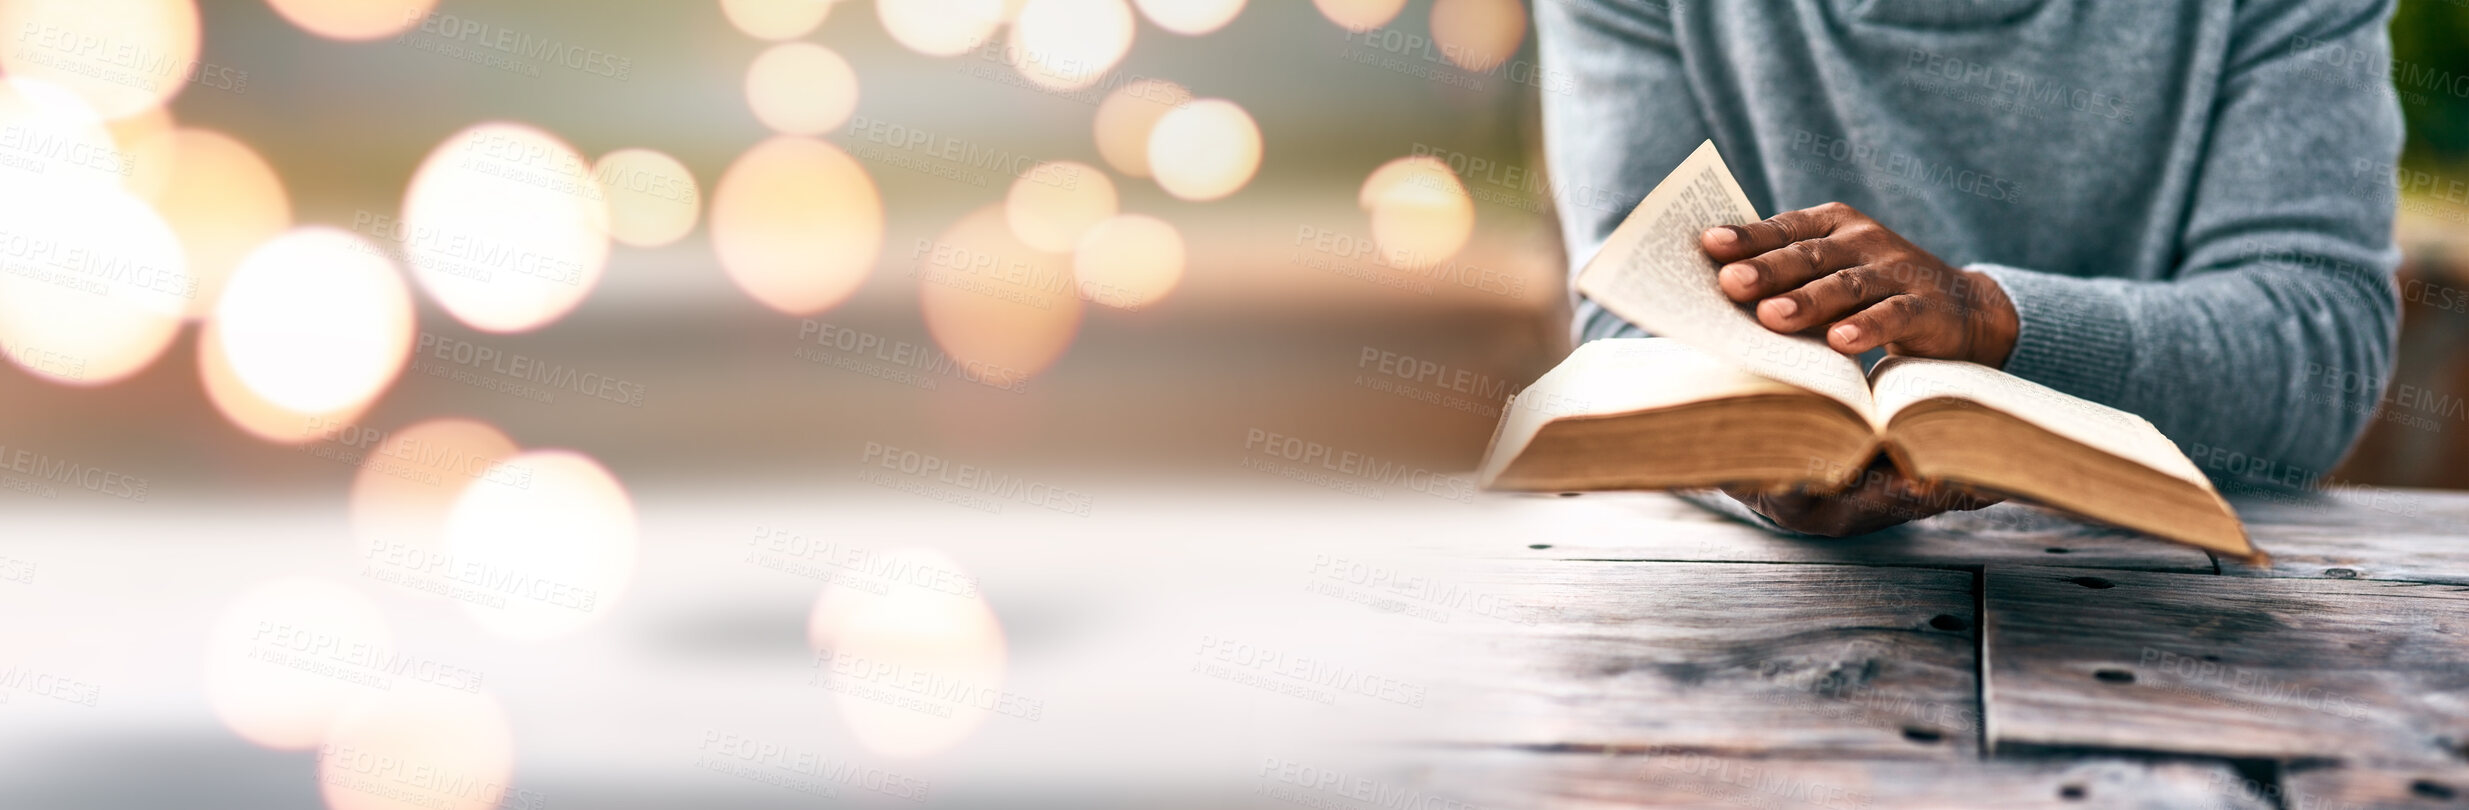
point(2189, 201)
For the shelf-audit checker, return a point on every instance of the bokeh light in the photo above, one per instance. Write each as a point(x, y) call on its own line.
point(353, 19)
point(1421, 213)
point(92, 284)
point(800, 88)
point(1127, 117)
point(409, 480)
point(1204, 150)
point(80, 155)
point(560, 549)
point(316, 320)
point(776, 19)
point(504, 226)
point(990, 299)
point(223, 201)
point(1053, 203)
point(280, 662)
point(145, 142)
point(253, 413)
point(1129, 261)
point(653, 199)
point(420, 747)
point(1190, 17)
point(1360, 15)
point(1478, 35)
point(940, 27)
point(797, 224)
point(942, 630)
point(1070, 44)
point(122, 56)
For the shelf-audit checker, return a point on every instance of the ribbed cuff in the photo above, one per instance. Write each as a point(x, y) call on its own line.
point(2074, 333)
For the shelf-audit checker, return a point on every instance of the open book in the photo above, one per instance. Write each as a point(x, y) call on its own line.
point(1720, 399)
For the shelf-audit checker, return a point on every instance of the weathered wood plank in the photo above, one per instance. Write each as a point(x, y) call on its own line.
point(2358, 533)
point(2368, 786)
point(1658, 779)
point(1742, 658)
point(2265, 668)
point(1661, 527)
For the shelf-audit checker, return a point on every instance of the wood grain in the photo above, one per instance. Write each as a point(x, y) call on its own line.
point(2368, 786)
point(1515, 779)
point(2225, 666)
point(1661, 527)
point(1737, 658)
point(2358, 533)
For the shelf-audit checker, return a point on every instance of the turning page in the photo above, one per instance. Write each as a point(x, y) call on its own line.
point(1653, 273)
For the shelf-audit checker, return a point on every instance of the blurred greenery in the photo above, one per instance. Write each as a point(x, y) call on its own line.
point(2430, 63)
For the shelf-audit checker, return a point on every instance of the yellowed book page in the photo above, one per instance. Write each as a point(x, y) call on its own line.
point(1616, 376)
point(1902, 381)
point(1653, 272)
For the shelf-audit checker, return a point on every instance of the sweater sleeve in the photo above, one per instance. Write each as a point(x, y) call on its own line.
point(1623, 117)
point(2267, 352)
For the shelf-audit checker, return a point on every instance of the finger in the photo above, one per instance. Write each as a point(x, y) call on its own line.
point(1777, 271)
point(1827, 299)
point(1902, 319)
point(1731, 243)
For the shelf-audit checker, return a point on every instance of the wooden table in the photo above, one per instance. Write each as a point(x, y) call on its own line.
point(1282, 647)
point(2007, 657)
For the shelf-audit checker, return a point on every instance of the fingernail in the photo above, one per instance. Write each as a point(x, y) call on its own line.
point(1739, 275)
point(1780, 308)
point(1847, 334)
point(1721, 235)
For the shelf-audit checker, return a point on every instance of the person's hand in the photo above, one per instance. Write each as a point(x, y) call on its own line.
point(1832, 269)
point(1879, 498)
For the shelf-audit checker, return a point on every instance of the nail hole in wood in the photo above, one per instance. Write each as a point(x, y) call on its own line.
point(2212, 658)
point(2056, 550)
point(2431, 789)
point(2072, 793)
point(1923, 736)
point(1947, 622)
point(2114, 676)
point(1538, 546)
point(2341, 573)
point(1568, 494)
point(2094, 583)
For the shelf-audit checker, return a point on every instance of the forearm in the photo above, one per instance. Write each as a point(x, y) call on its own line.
point(2263, 373)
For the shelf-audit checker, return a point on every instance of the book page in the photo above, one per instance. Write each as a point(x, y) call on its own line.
point(1903, 381)
point(1615, 376)
point(1653, 273)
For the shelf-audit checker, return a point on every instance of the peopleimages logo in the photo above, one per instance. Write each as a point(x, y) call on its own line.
point(476, 33)
point(530, 369)
point(973, 478)
point(1897, 166)
point(904, 354)
point(97, 480)
point(1347, 471)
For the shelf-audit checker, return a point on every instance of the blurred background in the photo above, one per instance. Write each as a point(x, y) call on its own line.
point(1278, 289)
point(313, 304)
